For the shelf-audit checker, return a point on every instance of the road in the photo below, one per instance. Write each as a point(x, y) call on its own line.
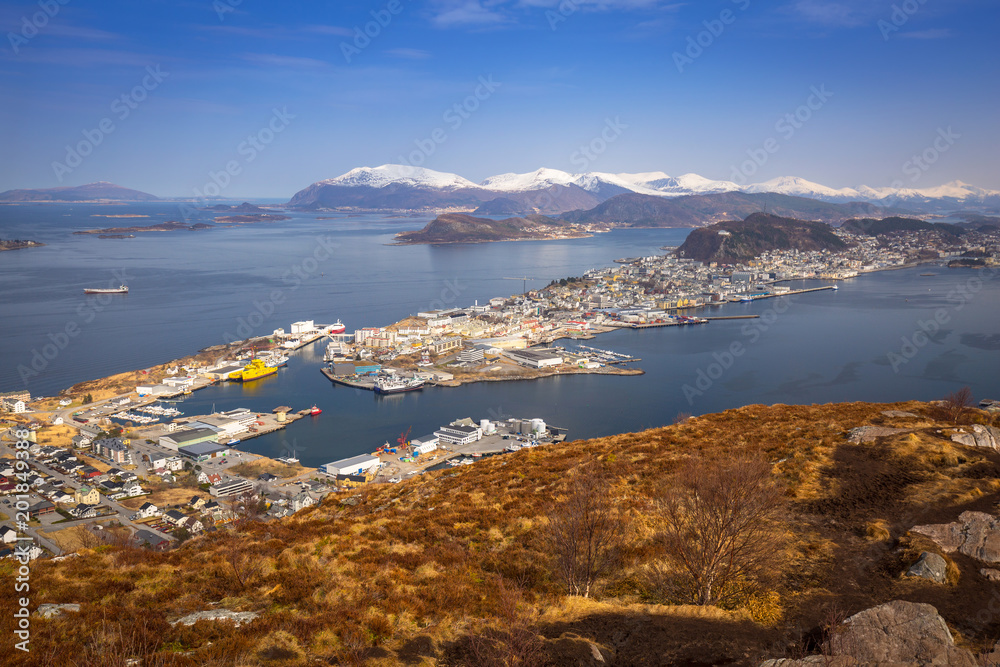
point(122, 513)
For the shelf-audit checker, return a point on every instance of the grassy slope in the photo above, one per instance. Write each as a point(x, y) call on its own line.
point(412, 568)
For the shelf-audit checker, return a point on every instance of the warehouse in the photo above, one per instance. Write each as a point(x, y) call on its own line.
point(356, 465)
point(203, 451)
point(540, 358)
point(193, 436)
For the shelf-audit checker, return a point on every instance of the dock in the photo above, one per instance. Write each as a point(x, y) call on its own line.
point(365, 383)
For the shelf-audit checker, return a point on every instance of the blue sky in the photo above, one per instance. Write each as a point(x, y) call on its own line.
point(200, 79)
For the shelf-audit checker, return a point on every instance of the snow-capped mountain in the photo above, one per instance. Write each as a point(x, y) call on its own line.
point(555, 191)
point(388, 174)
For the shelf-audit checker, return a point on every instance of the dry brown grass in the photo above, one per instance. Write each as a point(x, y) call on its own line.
point(69, 539)
point(251, 469)
point(414, 568)
point(56, 436)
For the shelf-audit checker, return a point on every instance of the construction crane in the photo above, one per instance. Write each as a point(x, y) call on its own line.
point(524, 282)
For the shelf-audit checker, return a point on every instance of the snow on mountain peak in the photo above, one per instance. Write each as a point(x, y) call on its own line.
point(387, 174)
point(539, 179)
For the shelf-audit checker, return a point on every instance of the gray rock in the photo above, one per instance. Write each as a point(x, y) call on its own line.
point(895, 634)
point(899, 414)
point(975, 534)
point(980, 436)
point(869, 433)
point(930, 566)
point(899, 632)
point(237, 617)
point(49, 610)
point(353, 500)
point(988, 573)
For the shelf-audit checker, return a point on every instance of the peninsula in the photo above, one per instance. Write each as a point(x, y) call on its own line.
point(462, 228)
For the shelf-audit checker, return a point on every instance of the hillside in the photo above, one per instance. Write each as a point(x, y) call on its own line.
point(637, 210)
point(462, 228)
point(872, 227)
point(739, 241)
point(101, 190)
point(454, 567)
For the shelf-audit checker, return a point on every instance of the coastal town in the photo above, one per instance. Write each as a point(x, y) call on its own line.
point(122, 453)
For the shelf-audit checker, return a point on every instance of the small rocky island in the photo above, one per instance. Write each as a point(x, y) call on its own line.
point(17, 244)
point(169, 226)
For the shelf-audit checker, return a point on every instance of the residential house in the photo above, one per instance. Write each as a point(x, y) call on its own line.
point(41, 508)
point(87, 495)
point(7, 535)
point(197, 502)
point(84, 511)
point(174, 517)
point(132, 489)
point(192, 524)
point(147, 511)
point(301, 501)
point(150, 540)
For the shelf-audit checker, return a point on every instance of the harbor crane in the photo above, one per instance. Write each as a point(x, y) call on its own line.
point(524, 282)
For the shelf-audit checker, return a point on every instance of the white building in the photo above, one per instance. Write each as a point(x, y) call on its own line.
point(19, 407)
point(459, 435)
point(356, 465)
point(304, 327)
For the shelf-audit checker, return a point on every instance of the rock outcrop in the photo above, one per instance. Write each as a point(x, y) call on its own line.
point(237, 617)
point(869, 433)
point(975, 534)
point(897, 633)
point(980, 436)
point(930, 566)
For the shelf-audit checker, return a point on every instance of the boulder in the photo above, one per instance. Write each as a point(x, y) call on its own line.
point(975, 534)
point(49, 610)
point(899, 414)
point(980, 436)
point(990, 574)
point(899, 632)
point(930, 566)
point(572, 649)
point(869, 433)
point(237, 617)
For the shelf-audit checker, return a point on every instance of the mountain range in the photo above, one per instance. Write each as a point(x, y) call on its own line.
point(90, 192)
point(551, 191)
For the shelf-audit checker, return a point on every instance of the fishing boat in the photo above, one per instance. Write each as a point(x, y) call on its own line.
point(121, 289)
point(315, 410)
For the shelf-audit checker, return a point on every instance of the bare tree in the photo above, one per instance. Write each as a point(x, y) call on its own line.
point(717, 529)
point(244, 565)
point(585, 532)
point(958, 403)
point(248, 507)
point(514, 641)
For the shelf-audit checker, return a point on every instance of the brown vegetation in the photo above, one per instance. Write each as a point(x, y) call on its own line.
point(456, 564)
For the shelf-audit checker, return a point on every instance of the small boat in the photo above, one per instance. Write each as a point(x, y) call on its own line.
point(835, 287)
point(121, 289)
point(315, 410)
point(234, 441)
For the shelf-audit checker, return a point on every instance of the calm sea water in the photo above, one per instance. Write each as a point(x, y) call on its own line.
point(190, 290)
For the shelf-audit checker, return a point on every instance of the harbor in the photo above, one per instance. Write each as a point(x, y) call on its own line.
point(461, 442)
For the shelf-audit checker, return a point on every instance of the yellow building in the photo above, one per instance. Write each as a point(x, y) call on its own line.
point(87, 495)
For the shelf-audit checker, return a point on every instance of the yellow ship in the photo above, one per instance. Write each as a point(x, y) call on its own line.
point(254, 370)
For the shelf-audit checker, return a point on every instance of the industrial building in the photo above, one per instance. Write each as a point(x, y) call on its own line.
point(203, 451)
point(356, 465)
point(232, 487)
point(541, 358)
point(192, 436)
point(459, 435)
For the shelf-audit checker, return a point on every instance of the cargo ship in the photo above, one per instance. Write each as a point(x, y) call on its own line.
point(254, 370)
point(121, 289)
point(336, 328)
point(397, 385)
